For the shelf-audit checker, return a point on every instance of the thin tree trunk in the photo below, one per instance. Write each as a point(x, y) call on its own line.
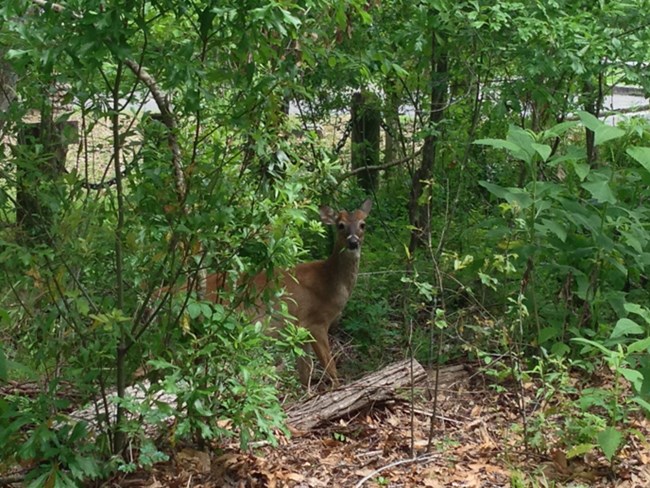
point(419, 217)
point(593, 96)
point(366, 121)
point(122, 347)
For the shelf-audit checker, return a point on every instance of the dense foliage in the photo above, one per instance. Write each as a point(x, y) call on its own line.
point(509, 225)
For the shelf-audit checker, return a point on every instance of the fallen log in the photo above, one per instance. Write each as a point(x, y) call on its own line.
point(374, 387)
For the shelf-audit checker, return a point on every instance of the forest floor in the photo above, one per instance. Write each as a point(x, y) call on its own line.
point(475, 442)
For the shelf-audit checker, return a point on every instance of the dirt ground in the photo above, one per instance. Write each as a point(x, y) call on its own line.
point(473, 444)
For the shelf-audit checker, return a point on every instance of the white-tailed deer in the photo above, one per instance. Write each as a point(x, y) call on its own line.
point(316, 292)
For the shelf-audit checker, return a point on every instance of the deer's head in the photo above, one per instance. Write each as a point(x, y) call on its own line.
point(350, 226)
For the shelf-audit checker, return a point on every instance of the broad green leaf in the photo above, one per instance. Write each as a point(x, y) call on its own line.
point(547, 333)
point(600, 190)
point(556, 228)
point(559, 129)
point(582, 170)
point(499, 144)
point(625, 327)
point(520, 197)
point(632, 241)
point(637, 309)
point(602, 131)
point(633, 376)
point(194, 309)
point(590, 121)
point(638, 346)
point(607, 133)
point(542, 149)
point(512, 195)
point(496, 190)
point(572, 154)
point(640, 155)
point(524, 139)
point(609, 441)
point(560, 349)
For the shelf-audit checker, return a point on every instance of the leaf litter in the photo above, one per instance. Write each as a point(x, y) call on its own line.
point(473, 445)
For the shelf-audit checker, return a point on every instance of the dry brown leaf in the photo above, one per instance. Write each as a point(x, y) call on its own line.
point(330, 442)
point(394, 421)
point(560, 461)
point(332, 460)
point(431, 483)
point(295, 477)
point(492, 468)
point(315, 483)
point(363, 472)
point(486, 437)
point(154, 484)
point(228, 458)
point(199, 460)
point(296, 432)
point(420, 443)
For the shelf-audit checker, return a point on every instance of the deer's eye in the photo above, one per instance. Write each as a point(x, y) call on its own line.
point(341, 226)
point(362, 225)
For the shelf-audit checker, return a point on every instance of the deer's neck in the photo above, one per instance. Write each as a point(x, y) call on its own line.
point(343, 268)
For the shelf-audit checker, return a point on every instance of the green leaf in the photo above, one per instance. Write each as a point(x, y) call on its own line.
point(547, 333)
point(16, 53)
point(637, 309)
point(542, 149)
point(582, 170)
point(597, 345)
point(555, 228)
point(638, 346)
point(579, 450)
point(590, 121)
point(626, 327)
point(512, 195)
point(194, 309)
point(607, 133)
point(609, 441)
point(600, 190)
point(499, 144)
point(641, 155)
point(559, 129)
point(633, 376)
point(602, 132)
point(643, 403)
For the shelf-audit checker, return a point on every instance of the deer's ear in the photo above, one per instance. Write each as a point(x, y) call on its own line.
point(367, 205)
point(327, 215)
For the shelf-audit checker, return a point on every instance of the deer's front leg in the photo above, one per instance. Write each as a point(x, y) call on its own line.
point(321, 346)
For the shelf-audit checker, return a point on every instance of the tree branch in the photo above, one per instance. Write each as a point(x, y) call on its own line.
point(168, 119)
point(380, 167)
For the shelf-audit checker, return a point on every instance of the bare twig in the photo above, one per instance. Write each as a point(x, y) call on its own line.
point(421, 459)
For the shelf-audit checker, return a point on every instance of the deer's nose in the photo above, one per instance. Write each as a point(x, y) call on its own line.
point(353, 242)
